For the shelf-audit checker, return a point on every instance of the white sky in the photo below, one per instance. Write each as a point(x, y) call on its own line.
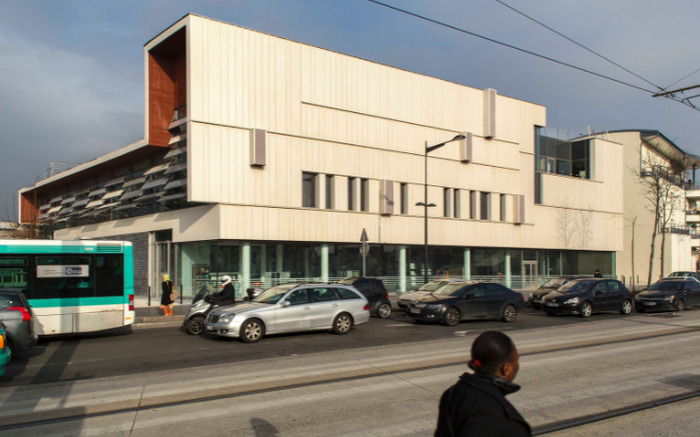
point(71, 72)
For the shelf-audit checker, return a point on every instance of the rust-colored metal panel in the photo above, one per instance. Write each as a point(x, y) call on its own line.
point(161, 100)
point(29, 209)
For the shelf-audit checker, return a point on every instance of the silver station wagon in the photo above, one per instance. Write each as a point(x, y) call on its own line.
point(291, 308)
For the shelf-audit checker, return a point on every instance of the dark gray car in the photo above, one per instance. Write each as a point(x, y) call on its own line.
point(17, 316)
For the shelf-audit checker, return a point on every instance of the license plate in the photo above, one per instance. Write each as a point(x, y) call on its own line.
point(552, 304)
point(415, 310)
point(650, 304)
point(536, 301)
point(210, 328)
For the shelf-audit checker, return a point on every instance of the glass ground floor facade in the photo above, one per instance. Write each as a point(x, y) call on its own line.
point(402, 267)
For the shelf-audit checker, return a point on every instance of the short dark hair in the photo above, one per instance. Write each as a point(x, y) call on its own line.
point(490, 350)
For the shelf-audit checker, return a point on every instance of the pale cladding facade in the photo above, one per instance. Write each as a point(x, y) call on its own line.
point(267, 158)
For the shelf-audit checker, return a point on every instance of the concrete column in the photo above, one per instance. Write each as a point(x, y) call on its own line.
point(244, 280)
point(402, 268)
point(507, 267)
point(467, 263)
point(325, 249)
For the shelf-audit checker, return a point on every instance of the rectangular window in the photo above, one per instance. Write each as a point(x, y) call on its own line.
point(109, 275)
point(364, 194)
point(14, 272)
point(447, 202)
point(309, 192)
point(61, 277)
point(351, 194)
point(561, 156)
point(330, 192)
point(503, 207)
point(472, 205)
point(457, 203)
point(404, 198)
point(485, 207)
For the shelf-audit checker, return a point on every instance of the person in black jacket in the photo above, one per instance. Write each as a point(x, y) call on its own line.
point(476, 405)
point(166, 301)
point(227, 295)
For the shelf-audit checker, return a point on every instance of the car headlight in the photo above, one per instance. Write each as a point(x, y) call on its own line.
point(670, 298)
point(433, 306)
point(227, 318)
point(572, 301)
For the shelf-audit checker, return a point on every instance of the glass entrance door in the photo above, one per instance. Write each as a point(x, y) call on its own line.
point(530, 274)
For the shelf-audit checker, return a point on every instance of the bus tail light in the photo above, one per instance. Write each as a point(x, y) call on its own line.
point(25, 314)
point(131, 302)
point(2, 341)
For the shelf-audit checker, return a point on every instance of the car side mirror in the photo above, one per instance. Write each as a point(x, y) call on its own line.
point(286, 303)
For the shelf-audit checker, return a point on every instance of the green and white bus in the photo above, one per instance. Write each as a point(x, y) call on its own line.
point(72, 286)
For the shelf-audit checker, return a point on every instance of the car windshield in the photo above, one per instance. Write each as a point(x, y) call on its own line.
point(576, 286)
point(554, 283)
point(681, 274)
point(666, 286)
point(449, 289)
point(431, 286)
point(272, 295)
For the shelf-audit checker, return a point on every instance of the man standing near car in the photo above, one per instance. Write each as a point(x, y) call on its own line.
point(476, 405)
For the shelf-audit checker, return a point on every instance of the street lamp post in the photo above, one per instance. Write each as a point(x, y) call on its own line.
point(425, 203)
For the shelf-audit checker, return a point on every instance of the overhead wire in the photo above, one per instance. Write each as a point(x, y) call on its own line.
point(577, 43)
point(529, 52)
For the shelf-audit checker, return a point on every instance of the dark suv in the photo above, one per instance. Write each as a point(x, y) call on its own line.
point(588, 296)
point(375, 292)
point(17, 316)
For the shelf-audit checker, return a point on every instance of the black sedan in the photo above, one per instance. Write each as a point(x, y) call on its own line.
point(464, 300)
point(669, 295)
point(588, 296)
point(535, 298)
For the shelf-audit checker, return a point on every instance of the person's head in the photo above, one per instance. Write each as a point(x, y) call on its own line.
point(166, 277)
point(226, 279)
point(494, 353)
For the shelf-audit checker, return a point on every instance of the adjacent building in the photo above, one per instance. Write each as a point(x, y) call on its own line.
point(269, 160)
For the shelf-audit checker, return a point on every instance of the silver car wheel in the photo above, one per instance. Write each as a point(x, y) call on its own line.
point(586, 310)
point(252, 331)
point(384, 311)
point(342, 324)
point(510, 313)
point(626, 307)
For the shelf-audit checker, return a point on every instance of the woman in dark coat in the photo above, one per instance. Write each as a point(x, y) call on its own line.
point(166, 302)
point(476, 405)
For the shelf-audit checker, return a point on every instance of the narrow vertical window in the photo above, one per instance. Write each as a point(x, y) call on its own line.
point(457, 204)
point(351, 194)
point(330, 192)
point(309, 190)
point(472, 205)
point(364, 194)
point(503, 207)
point(404, 198)
point(447, 202)
point(485, 210)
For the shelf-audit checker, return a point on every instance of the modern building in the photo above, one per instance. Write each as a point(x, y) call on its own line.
point(270, 159)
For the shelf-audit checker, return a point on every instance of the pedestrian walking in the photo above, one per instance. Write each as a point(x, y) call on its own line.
point(476, 404)
point(167, 299)
point(597, 274)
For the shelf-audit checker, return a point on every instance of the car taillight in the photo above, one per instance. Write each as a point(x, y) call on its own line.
point(131, 302)
point(386, 295)
point(25, 314)
point(2, 341)
point(366, 308)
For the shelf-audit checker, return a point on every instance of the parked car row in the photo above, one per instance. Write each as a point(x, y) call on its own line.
point(585, 296)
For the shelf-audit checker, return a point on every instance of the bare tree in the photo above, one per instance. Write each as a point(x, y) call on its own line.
point(661, 183)
point(566, 226)
point(585, 219)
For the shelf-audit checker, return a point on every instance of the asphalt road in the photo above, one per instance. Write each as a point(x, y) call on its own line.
point(640, 359)
point(143, 349)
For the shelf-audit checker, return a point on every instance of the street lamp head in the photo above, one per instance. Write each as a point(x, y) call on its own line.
point(459, 137)
point(430, 205)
